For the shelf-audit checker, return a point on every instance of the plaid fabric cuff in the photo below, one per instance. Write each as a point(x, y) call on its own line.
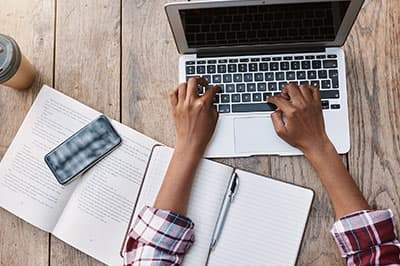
point(164, 230)
point(363, 229)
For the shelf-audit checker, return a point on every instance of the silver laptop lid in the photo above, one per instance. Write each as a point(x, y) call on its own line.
point(260, 25)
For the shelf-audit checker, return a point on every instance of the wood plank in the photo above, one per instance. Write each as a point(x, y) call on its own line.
point(30, 23)
point(87, 67)
point(373, 66)
point(149, 69)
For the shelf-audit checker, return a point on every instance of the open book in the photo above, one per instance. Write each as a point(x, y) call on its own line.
point(265, 222)
point(93, 212)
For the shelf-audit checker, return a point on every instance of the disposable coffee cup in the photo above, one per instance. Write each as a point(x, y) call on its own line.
point(15, 70)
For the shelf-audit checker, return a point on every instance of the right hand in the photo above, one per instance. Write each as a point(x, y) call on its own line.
point(304, 126)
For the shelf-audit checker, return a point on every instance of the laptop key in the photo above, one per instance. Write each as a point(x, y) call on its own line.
point(301, 74)
point(276, 58)
point(237, 77)
point(224, 108)
point(221, 68)
point(230, 88)
point(235, 98)
point(190, 70)
point(305, 64)
point(190, 62)
point(277, 94)
point(309, 57)
point(225, 98)
point(211, 69)
point(253, 107)
point(227, 78)
point(282, 85)
point(253, 67)
point(315, 83)
point(322, 74)
point(216, 79)
point(298, 57)
point(272, 86)
point(295, 65)
point(290, 75)
point(321, 56)
point(201, 69)
point(284, 65)
point(316, 64)
point(280, 75)
point(266, 95)
point(261, 86)
point(258, 76)
point(330, 63)
point(246, 97)
point(240, 87)
point(251, 87)
point(232, 68)
point(263, 66)
point(274, 66)
point(304, 82)
point(329, 94)
point(332, 56)
point(325, 104)
point(256, 97)
point(335, 106)
point(248, 77)
point(233, 60)
point(269, 76)
point(311, 74)
point(242, 67)
point(325, 84)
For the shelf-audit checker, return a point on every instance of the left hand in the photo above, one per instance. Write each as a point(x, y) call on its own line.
point(195, 116)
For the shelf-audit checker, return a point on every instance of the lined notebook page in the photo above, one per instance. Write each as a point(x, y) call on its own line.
point(265, 223)
point(205, 201)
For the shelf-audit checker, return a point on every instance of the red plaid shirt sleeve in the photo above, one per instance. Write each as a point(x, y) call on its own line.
point(368, 238)
point(158, 237)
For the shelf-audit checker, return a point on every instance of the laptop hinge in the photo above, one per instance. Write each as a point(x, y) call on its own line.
point(258, 52)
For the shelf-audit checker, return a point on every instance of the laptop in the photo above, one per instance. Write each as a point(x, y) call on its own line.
point(252, 49)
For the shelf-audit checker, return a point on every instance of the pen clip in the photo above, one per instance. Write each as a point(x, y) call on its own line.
point(233, 186)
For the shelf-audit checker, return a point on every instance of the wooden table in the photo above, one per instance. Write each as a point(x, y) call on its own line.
point(119, 57)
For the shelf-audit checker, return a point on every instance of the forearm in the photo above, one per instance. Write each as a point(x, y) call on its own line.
point(175, 191)
point(342, 190)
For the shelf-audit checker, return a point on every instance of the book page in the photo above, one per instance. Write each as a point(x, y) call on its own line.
point(265, 223)
point(205, 200)
point(97, 216)
point(28, 189)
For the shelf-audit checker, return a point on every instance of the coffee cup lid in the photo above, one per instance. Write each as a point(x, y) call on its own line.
point(10, 58)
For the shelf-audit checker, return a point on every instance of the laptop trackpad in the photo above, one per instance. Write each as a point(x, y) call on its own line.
point(256, 135)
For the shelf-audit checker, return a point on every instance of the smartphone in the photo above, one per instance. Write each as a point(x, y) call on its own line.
point(82, 150)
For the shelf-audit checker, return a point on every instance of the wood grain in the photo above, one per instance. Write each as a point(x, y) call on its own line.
point(30, 23)
point(87, 67)
point(149, 69)
point(373, 70)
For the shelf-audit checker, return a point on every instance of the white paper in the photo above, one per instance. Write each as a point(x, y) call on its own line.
point(92, 213)
point(265, 223)
point(205, 200)
point(97, 217)
point(27, 187)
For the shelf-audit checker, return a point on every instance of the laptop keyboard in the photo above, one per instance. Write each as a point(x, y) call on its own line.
point(246, 82)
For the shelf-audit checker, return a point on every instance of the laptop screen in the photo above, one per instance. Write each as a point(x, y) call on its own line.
point(263, 24)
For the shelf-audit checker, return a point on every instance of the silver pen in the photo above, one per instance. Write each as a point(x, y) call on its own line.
point(228, 198)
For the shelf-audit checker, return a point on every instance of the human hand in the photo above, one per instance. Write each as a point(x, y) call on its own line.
point(195, 116)
point(304, 126)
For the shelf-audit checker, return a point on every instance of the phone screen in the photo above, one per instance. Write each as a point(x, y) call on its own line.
point(82, 150)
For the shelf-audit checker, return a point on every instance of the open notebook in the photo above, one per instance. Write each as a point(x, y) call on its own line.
point(264, 225)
